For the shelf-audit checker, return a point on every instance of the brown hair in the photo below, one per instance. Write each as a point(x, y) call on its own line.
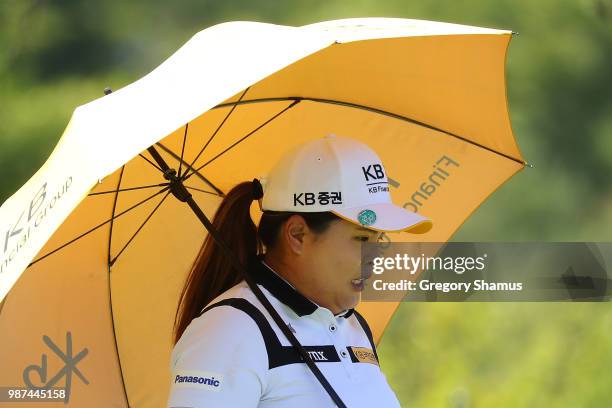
point(212, 273)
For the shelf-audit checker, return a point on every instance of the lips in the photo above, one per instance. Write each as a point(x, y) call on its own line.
point(357, 281)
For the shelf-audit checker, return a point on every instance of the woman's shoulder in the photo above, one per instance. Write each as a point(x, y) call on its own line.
point(223, 343)
point(226, 312)
point(217, 320)
point(221, 329)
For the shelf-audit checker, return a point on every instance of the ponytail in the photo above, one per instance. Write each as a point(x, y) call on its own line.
point(212, 272)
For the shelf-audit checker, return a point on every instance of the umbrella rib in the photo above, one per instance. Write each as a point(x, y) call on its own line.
point(204, 191)
point(295, 102)
point(128, 189)
point(139, 228)
point(152, 164)
point(215, 132)
point(371, 109)
point(112, 223)
point(197, 173)
point(98, 226)
point(110, 291)
point(183, 149)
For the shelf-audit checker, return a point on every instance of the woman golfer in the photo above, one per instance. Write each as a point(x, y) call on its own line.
point(320, 202)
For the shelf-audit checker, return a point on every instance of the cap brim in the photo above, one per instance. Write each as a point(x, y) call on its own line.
point(389, 218)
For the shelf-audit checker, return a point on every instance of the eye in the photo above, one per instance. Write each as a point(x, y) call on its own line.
point(362, 238)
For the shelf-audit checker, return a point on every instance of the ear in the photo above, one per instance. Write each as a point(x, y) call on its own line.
point(294, 230)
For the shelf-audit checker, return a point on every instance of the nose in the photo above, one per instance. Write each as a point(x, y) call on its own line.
point(366, 270)
point(371, 251)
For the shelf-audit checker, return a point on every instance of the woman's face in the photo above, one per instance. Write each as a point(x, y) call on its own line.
point(331, 264)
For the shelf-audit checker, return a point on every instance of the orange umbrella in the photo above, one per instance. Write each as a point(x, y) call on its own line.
point(96, 245)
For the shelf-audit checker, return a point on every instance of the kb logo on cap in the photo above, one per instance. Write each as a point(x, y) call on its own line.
point(377, 170)
point(321, 198)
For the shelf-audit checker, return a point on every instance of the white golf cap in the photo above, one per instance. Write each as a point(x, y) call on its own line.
point(341, 175)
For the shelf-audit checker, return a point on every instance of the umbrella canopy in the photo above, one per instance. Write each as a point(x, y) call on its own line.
point(96, 247)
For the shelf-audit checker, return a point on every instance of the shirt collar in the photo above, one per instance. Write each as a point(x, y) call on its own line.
point(282, 290)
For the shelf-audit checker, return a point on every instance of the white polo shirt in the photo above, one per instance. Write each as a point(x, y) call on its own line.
point(234, 356)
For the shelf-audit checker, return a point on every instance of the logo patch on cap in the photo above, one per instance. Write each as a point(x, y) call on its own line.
point(367, 217)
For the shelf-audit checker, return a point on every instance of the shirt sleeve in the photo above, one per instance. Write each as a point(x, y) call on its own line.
point(220, 361)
